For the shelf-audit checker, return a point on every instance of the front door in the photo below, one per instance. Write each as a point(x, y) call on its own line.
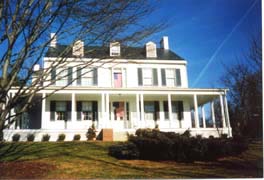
point(120, 114)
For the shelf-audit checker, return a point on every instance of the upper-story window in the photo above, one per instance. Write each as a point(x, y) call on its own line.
point(147, 77)
point(86, 76)
point(171, 77)
point(62, 77)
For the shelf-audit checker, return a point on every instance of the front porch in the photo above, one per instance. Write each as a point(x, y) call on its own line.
point(203, 112)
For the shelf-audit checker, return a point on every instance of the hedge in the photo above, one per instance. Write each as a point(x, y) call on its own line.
point(155, 145)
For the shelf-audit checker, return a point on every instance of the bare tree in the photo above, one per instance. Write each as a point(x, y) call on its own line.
point(245, 82)
point(24, 39)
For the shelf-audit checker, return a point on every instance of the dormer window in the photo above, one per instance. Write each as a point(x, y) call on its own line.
point(115, 49)
point(151, 50)
point(78, 49)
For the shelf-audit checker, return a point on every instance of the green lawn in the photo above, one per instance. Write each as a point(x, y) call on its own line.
point(90, 160)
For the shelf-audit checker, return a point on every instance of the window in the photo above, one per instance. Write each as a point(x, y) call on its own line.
point(61, 110)
point(86, 76)
point(147, 77)
point(176, 108)
point(86, 110)
point(171, 77)
point(62, 77)
point(151, 109)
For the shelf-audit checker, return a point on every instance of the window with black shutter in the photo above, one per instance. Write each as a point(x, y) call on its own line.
point(79, 76)
point(53, 75)
point(180, 110)
point(178, 77)
point(157, 110)
point(68, 110)
point(95, 110)
point(163, 77)
point(166, 110)
point(155, 76)
point(95, 76)
point(52, 110)
point(69, 75)
point(79, 110)
point(140, 80)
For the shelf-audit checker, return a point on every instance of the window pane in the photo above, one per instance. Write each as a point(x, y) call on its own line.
point(60, 106)
point(170, 73)
point(147, 73)
point(147, 81)
point(170, 82)
point(87, 81)
point(86, 106)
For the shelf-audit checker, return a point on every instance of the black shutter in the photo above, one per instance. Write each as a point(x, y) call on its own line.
point(79, 110)
point(157, 110)
point(95, 110)
point(140, 80)
point(79, 76)
point(95, 76)
point(155, 77)
point(53, 75)
point(163, 77)
point(52, 110)
point(180, 110)
point(166, 109)
point(178, 77)
point(68, 110)
point(127, 111)
point(69, 75)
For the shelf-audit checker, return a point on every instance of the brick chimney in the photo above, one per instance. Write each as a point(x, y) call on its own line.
point(78, 49)
point(151, 50)
point(164, 43)
point(53, 41)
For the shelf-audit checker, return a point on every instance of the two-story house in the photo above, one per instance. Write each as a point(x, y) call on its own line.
point(122, 88)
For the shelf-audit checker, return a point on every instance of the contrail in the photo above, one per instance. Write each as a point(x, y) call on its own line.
point(222, 44)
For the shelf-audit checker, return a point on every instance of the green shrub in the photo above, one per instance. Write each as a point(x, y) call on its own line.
point(156, 145)
point(45, 137)
point(15, 137)
point(76, 137)
point(124, 151)
point(61, 137)
point(30, 137)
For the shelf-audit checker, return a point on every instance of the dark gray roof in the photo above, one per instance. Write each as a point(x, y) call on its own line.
point(103, 52)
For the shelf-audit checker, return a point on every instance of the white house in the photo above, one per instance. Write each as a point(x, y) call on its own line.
point(123, 89)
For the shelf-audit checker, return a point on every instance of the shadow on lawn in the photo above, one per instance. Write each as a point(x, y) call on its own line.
point(96, 152)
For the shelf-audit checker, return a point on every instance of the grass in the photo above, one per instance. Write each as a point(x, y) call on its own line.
point(91, 160)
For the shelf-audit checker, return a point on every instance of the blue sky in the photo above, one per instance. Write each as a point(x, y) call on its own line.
point(208, 30)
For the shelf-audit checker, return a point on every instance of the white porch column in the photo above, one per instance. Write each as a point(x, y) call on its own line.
point(73, 107)
point(196, 115)
point(227, 113)
point(213, 114)
point(43, 114)
point(137, 106)
point(222, 111)
point(161, 113)
point(142, 110)
point(107, 109)
point(203, 115)
point(170, 109)
point(102, 122)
